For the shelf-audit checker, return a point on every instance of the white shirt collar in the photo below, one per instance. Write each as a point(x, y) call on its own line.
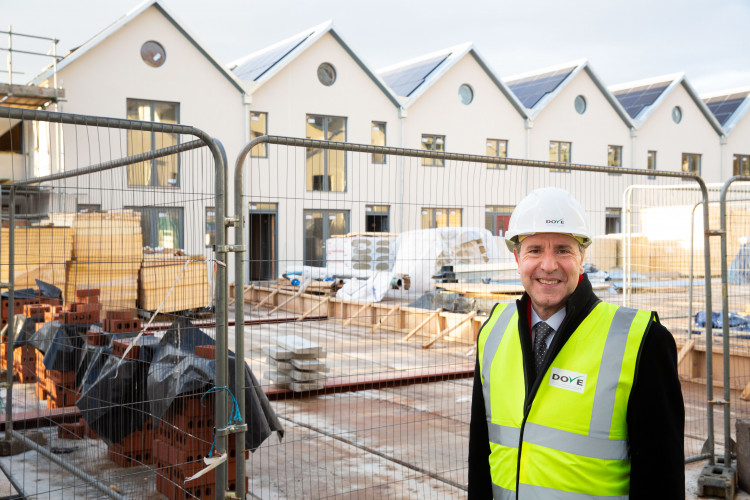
point(554, 321)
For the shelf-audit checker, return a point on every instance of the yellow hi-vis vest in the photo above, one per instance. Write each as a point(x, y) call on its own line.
point(571, 440)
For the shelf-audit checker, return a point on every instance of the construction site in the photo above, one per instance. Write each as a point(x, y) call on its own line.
point(289, 318)
point(121, 374)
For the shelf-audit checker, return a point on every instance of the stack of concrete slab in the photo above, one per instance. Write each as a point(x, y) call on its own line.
point(296, 363)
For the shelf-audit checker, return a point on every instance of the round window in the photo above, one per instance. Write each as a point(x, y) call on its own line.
point(466, 94)
point(677, 114)
point(326, 74)
point(580, 104)
point(153, 54)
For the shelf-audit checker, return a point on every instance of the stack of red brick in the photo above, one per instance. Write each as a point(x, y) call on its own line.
point(57, 387)
point(24, 358)
point(136, 449)
point(118, 321)
point(183, 438)
point(75, 430)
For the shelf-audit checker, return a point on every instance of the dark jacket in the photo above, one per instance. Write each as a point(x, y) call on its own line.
point(656, 413)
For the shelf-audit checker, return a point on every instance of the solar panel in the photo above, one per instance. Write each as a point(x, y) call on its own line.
point(724, 106)
point(635, 99)
point(404, 81)
point(254, 68)
point(530, 90)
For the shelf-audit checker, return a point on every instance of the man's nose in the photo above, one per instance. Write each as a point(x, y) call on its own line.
point(549, 262)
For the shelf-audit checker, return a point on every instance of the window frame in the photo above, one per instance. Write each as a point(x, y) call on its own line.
point(614, 153)
point(378, 158)
point(651, 162)
point(154, 226)
point(737, 161)
point(378, 211)
point(688, 160)
point(154, 168)
point(436, 139)
point(261, 150)
point(496, 211)
point(612, 214)
point(209, 227)
point(433, 213)
point(497, 142)
point(570, 155)
point(326, 175)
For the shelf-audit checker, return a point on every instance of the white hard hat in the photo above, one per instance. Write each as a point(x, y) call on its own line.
point(548, 210)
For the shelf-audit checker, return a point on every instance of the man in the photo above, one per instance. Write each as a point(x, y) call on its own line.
point(574, 398)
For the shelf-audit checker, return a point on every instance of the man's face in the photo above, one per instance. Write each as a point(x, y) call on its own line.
point(549, 265)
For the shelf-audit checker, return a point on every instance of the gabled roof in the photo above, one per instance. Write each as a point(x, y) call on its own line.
point(641, 98)
point(259, 67)
point(729, 106)
point(538, 88)
point(124, 20)
point(412, 78)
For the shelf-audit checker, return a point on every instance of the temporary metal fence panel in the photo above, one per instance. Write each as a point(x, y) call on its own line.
point(731, 365)
point(113, 252)
point(368, 272)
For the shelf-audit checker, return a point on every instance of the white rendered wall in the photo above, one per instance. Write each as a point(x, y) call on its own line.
point(288, 97)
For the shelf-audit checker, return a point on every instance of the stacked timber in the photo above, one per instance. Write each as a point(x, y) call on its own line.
point(315, 287)
point(186, 277)
point(40, 253)
point(107, 254)
point(296, 363)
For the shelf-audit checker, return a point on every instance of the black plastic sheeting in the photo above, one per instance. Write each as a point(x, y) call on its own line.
point(116, 401)
point(736, 321)
point(113, 393)
point(60, 344)
point(176, 370)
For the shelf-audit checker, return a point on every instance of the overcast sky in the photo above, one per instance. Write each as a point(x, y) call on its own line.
point(624, 40)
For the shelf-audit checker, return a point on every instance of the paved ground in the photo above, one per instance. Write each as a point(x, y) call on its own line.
point(383, 442)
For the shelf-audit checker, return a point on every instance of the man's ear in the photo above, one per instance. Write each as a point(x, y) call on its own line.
point(583, 256)
point(515, 254)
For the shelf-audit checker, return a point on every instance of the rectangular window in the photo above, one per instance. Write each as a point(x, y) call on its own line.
point(433, 143)
point(651, 163)
point(89, 208)
point(612, 220)
point(691, 162)
point(319, 226)
point(377, 218)
point(496, 219)
point(326, 169)
point(162, 227)
point(499, 148)
point(159, 172)
point(741, 165)
point(441, 217)
point(614, 156)
point(377, 138)
point(560, 152)
point(10, 138)
point(258, 128)
point(210, 234)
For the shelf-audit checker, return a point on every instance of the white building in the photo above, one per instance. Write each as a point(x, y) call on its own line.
point(313, 85)
point(675, 130)
point(575, 119)
point(454, 102)
point(731, 108)
point(146, 66)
